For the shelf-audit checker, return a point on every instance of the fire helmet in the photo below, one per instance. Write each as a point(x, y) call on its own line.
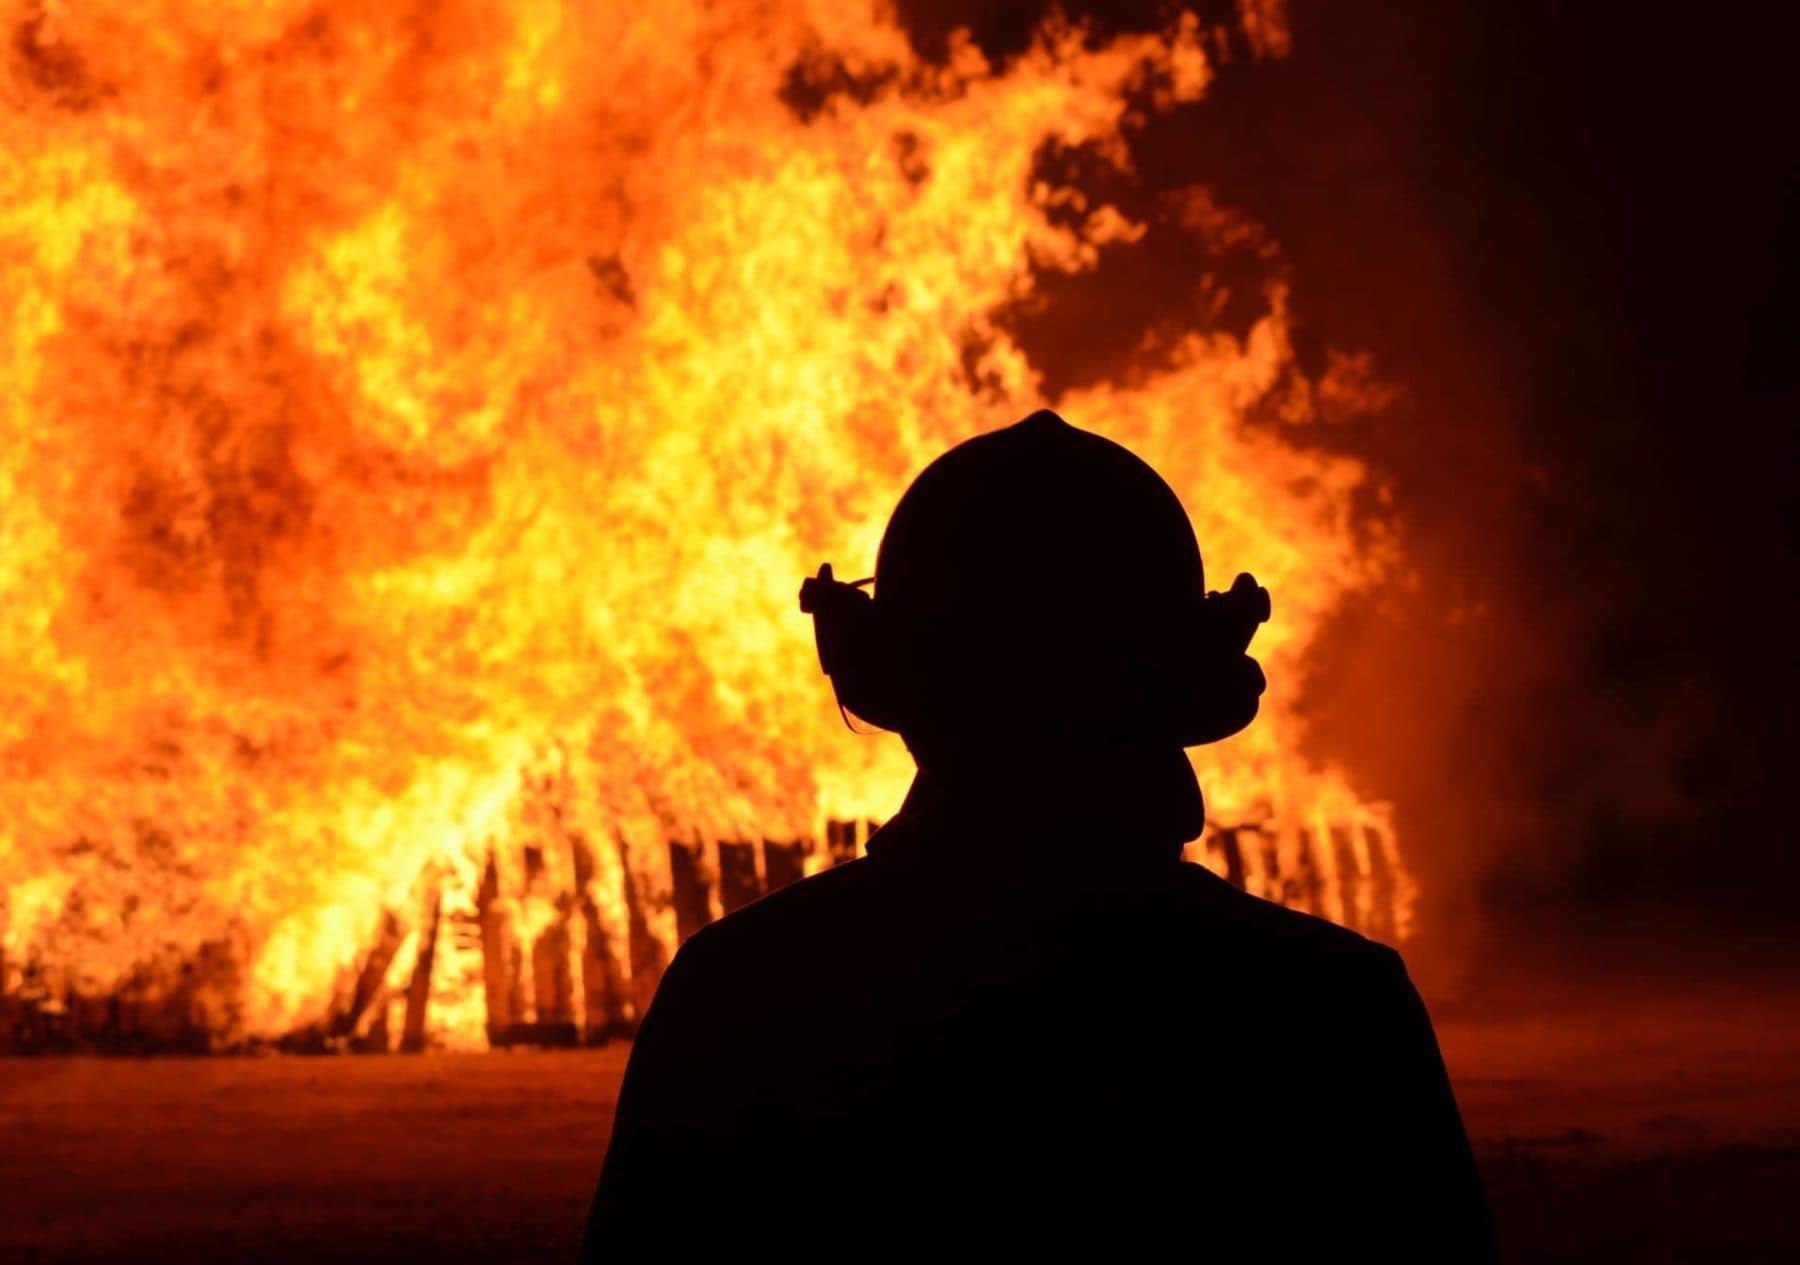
point(1041, 579)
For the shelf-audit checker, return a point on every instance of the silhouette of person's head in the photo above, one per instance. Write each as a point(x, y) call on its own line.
point(1040, 590)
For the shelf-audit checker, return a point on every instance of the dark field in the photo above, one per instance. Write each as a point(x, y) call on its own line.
point(1643, 1131)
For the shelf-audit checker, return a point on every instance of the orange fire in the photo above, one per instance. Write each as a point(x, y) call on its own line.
point(417, 422)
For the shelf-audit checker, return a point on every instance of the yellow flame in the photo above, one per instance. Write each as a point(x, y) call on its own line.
point(393, 402)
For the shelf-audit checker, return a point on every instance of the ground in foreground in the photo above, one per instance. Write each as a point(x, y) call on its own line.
point(1652, 1131)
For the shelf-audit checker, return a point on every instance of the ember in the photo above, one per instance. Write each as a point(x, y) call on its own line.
point(415, 434)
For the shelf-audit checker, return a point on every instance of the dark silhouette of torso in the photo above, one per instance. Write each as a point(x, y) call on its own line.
point(1022, 1026)
point(967, 1043)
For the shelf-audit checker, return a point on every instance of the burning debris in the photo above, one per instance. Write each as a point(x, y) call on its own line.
point(411, 439)
point(553, 973)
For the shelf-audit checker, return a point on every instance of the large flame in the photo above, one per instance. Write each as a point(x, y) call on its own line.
point(417, 420)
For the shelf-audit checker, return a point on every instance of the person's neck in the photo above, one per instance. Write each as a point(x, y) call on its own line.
point(1145, 806)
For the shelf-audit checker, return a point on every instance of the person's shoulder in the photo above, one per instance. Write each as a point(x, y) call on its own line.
point(803, 918)
point(1265, 935)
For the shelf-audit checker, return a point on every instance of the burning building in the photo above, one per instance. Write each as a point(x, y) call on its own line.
point(418, 421)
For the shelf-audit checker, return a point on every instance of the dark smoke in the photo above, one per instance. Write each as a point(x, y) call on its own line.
point(1568, 234)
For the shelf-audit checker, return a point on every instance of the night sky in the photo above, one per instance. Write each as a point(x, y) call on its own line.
point(1568, 234)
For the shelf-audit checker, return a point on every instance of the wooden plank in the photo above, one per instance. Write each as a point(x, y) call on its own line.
point(371, 979)
point(518, 977)
point(840, 841)
point(602, 983)
point(1381, 887)
point(1310, 887)
point(692, 895)
point(372, 1035)
point(1231, 848)
point(783, 863)
point(553, 982)
point(418, 989)
point(496, 952)
point(215, 997)
point(1353, 886)
point(155, 1010)
point(739, 883)
point(369, 996)
point(648, 960)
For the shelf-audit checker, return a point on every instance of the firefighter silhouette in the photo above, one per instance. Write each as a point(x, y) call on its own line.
point(1022, 1024)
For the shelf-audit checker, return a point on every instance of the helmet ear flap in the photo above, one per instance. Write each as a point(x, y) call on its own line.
point(1215, 704)
point(854, 649)
point(1219, 690)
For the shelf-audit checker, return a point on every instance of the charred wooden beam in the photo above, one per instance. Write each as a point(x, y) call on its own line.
point(155, 1010)
point(1352, 884)
point(1269, 853)
point(553, 982)
point(372, 1035)
point(1231, 849)
point(518, 997)
point(693, 899)
point(840, 841)
point(370, 991)
point(783, 863)
point(418, 989)
point(1310, 888)
point(53, 1019)
point(8, 1006)
point(1381, 887)
point(496, 951)
point(91, 1020)
point(739, 883)
point(602, 986)
point(647, 958)
point(216, 992)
